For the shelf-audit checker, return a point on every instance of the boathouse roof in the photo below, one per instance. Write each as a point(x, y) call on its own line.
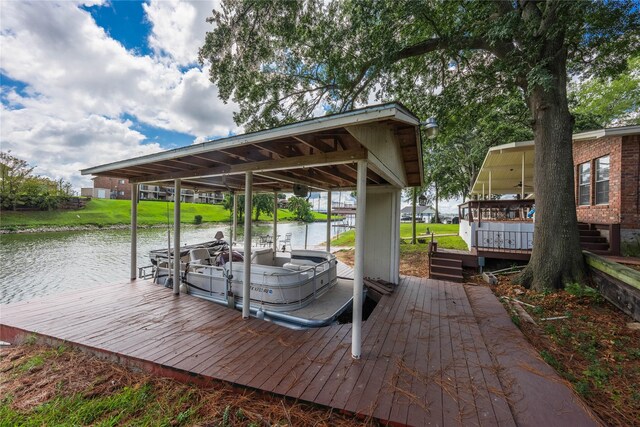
point(319, 152)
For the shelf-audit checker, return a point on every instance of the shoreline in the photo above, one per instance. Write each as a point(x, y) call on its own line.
point(93, 227)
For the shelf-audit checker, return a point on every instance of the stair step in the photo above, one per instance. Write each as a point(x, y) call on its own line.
point(446, 269)
point(593, 239)
point(583, 226)
point(447, 277)
point(589, 233)
point(447, 262)
point(594, 246)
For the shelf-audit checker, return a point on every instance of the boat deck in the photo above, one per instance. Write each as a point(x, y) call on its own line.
point(433, 352)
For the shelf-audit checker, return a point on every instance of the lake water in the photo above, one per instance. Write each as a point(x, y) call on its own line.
point(39, 264)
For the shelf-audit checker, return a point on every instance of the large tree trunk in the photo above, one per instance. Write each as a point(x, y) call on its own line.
point(556, 258)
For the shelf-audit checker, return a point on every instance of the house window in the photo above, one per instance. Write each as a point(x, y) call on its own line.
point(584, 183)
point(602, 180)
point(121, 181)
point(121, 193)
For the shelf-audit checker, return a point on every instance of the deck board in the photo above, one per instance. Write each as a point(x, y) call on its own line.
point(431, 352)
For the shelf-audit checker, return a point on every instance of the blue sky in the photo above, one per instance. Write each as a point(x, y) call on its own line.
point(89, 82)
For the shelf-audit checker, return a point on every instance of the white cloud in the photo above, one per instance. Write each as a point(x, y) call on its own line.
point(179, 28)
point(80, 83)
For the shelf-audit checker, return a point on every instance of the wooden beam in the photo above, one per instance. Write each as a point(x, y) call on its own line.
point(336, 157)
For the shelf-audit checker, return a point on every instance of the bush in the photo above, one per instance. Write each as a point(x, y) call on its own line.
point(197, 219)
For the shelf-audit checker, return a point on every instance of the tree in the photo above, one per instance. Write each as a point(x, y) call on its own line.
point(14, 172)
point(262, 203)
point(599, 103)
point(300, 208)
point(280, 62)
point(227, 203)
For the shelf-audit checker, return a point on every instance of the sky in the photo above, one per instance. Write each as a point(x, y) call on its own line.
point(93, 82)
point(86, 83)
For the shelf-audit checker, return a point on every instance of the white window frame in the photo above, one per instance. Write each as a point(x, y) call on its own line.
point(582, 184)
point(599, 180)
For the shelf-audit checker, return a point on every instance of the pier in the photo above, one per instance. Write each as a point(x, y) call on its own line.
point(433, 353)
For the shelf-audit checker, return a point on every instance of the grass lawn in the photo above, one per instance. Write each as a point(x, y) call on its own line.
point(105, 212)
point(447, 242)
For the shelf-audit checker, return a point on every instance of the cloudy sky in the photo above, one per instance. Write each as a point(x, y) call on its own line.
point(85, 83)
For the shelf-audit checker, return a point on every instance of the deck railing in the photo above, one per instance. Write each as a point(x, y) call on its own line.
point(496, 210)
point(510, 241)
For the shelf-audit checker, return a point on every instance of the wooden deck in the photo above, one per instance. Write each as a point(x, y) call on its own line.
point(433, 353)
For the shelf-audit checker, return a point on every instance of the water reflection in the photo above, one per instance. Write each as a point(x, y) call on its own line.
point(44, 263)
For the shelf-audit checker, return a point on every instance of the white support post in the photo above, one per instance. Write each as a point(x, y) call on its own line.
point(329, 221)
point(483, 196)
point(176, 237)
point(489, 184)
point(275, 223)
point(134, 231)
point(522, 181)
point(234, 221)
point(246, 280)
point(358, 280)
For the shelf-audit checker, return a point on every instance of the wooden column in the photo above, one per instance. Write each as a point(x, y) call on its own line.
point(329, 221)
point(234, 220)
point(275, 223)
point(176, 237)
point(246, 281)
point(358, 281)
point(134, 231)
point(522, 181)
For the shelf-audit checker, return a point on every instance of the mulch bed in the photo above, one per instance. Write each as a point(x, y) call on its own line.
point(32, 376)
point(590, 343)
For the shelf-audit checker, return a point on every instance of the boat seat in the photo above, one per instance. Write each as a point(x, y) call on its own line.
point(200, 256)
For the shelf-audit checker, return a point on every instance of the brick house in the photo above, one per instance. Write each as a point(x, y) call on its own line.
point(607, 190)
point(119, 188)
point(607, 179)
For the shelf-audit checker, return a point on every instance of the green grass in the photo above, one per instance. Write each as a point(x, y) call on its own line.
point(447, 242)
point(104, 212)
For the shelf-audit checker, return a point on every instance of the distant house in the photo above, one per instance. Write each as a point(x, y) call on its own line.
point(119, 188)
point(423, 213)
point(607, 190)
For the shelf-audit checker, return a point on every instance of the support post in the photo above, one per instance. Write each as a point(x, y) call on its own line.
point(522, 181)
point(490, 179)
point(329, 221)
point(134, 231)
point(246, 280)
point(275, 223)
point(176, 237)
point(358, 281)
point(234, 221)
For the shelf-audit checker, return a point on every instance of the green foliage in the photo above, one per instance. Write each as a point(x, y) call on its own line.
point(583, 291)
point(262, 203)
point(279, 61)
point(197, 219)
point(300, 208)
point(20, 189)
point(601, 102)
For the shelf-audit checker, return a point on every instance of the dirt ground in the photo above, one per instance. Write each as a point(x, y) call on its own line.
point(411, 264)
point(45, 386)
point(588, 341)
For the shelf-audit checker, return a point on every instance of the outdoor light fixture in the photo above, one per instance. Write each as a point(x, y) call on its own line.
point(422, 200)
point(431, 127)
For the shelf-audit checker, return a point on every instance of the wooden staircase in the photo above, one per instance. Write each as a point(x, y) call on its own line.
point(592, 240)
point(444, 266)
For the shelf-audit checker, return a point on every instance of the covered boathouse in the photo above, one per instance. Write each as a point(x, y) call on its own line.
point(432, 352)
point(376, 151)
